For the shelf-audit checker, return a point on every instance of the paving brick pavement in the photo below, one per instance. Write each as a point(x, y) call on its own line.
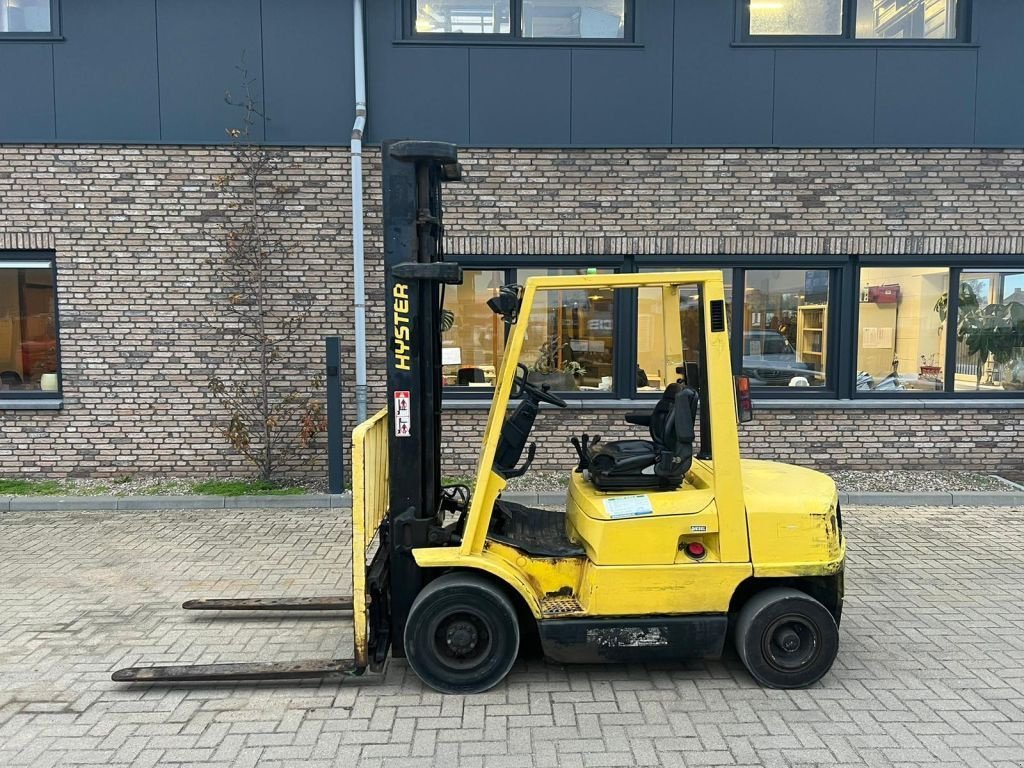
point(930, 672)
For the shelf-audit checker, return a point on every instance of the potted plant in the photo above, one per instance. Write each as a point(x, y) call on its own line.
point(997, 332)
point(556, 370)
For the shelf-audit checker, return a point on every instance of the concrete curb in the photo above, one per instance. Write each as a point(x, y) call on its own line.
point(344, 501)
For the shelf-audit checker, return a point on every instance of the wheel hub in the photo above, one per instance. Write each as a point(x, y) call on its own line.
point(790, 643)
point(788, 640)
point(461, 638)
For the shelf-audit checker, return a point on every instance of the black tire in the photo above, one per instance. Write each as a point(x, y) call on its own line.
point(786, 638)
point(462, 635)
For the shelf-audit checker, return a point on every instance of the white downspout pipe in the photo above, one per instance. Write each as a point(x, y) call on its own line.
point(358, 268)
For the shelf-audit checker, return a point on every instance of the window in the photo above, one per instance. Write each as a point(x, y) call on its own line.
point(28, 328)
point(990, 331)
point(465, 17)
point(522, 19)
point(574, 19)
point(27, 17)
point(855, 19)
point(906, 19)
point(901, 335)
point(851, 327)
point(473, 338)
point(796, 17)
point(656, 360)
point(785, 325)
point(570, 340)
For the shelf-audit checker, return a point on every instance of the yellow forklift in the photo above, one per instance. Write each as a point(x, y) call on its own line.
point(669, 545)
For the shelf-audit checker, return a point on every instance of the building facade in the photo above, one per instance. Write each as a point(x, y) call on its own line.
point(856, 167)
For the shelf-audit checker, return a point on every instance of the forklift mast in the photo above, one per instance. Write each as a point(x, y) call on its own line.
point(415, 272)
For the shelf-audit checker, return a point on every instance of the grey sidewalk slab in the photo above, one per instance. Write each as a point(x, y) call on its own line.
point(5, 503)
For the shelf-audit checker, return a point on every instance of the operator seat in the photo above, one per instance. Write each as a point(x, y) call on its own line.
point(656, 464)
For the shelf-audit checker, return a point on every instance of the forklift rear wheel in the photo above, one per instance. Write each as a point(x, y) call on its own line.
point(462, 635)
point(786, 638)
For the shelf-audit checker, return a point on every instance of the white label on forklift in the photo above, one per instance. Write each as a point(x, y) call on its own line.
point(628, 506)
point(403, 414)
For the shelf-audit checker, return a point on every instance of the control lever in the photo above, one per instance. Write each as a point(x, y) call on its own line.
point(583, 449)
point(521, 470)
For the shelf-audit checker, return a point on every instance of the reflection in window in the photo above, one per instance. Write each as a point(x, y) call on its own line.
point(785, 327)
point(28, 327)
point(657, 356)
point(796, 17)
point(990, 331)
point(473, 337)
point(574, 18)
point(463, 16)
point(570, 337)
point(901, 338)
point(906, 19)
point(24, 15)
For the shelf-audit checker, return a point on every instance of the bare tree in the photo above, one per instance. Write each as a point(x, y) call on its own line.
point(271, 411)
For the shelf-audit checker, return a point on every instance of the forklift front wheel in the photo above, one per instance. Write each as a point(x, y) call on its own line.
point(786, 638)
point(462, 634)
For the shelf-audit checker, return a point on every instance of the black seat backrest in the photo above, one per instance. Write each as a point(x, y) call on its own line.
point(662, 416)
point(679, 429)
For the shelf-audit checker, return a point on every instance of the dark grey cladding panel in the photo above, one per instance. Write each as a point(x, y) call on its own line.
point(26, 92)
point(722, 95)
point(308, 71)
point(925, 97)
point(105, 72)
point(824, 97)
point(999, 29)
point(201, 45)
point(622, 96)
point(519, 96)
point(413, 91)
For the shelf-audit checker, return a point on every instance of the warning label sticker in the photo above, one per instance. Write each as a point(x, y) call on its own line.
point(403, 414)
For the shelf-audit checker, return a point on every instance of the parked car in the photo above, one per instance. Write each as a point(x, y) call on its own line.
point(770, 360)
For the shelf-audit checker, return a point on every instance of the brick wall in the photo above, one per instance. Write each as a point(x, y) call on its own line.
point(131, 228)
point(983, 440)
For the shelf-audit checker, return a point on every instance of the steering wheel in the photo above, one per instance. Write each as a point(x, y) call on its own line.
point(543, 393)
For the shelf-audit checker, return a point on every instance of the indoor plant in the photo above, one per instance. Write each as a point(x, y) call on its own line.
point(996, 330)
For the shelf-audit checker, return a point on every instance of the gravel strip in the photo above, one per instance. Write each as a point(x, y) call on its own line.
point(901, 481)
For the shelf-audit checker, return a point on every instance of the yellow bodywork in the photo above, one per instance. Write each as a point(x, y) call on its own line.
point(755, 519)
point(369, 507)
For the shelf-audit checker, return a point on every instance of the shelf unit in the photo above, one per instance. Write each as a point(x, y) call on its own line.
point(812, 335)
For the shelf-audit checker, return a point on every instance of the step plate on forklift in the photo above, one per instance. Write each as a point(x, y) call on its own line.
point(199, 673)
point(560, 606)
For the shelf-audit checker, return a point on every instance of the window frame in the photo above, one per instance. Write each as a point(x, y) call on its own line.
point(956, 266)
point(511, 267)
point(514, 36)
point(844, 318)
point(54, 33)
point(26, 398)
point(848, 35)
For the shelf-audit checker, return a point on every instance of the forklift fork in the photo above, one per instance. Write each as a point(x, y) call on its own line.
point(248, 671)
